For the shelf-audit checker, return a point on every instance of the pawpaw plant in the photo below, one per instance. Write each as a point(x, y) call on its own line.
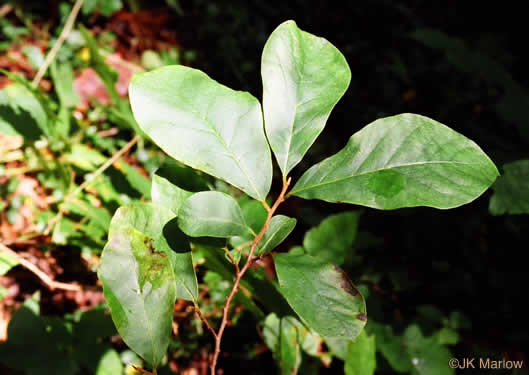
point(405, 160)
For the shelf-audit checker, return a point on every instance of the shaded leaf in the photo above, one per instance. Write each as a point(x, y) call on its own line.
point(511, 190)
point(304, 76)
point(204, 125)
point(308, 284)
point(279, 228)
point(139, 287)
point(361, 358)
point(138, 181)
point(391, 347)
point(401, 161)
point(281, 336)
point(427, 356)
point(211, 214)
point(333, 238)
point(21, 113)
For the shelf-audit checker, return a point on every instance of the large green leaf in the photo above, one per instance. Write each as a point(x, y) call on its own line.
point(333, 238)
point(205, 125)
point(308, 285)
point(139, 287)
point(159, 224)
point(361, 358)
point(279, 228)
point(511, 190)
point(212, 214)
point(401, 161)
point(304, 76)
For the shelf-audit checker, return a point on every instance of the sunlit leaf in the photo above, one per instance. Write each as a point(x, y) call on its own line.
point(401, 161)
point(139, 287)
point(159, 224)
point(205, 125)
point(304, 76)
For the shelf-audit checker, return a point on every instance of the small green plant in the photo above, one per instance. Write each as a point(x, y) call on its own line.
point(405, 160)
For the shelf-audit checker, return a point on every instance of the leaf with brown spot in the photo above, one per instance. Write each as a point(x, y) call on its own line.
point(321, 294)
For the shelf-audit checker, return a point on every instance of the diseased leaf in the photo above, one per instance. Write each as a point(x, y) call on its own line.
point(304, 76)
point(279, 229)
point(205, 125)
point(159, 224)
point(167, 194)
point(361, 358)
point(139, 287)
point(333, 238)
point(511, 190)
point(308, 284)
point(401, 161)
point(211, 214)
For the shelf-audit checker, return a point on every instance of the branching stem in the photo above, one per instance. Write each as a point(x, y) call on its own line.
point(240, 274)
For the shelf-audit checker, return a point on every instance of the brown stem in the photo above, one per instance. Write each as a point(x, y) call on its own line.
point(205, 321)
point(232, 260)
point(51, 284)
point(226, 309)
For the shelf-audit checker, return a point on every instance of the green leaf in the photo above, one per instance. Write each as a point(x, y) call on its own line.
point(304, 76)
point(281, 336)
point(333, 238)
point(511, 190)
point(391, 347)
point(63, 77)
point(427, 356)
point(167, 194)
point(7, 261)
point(21, 113)
point(254, 215)
point(401, 161)
point(160, 226)
point(34, 55)
point(109, 364)
point(84, 157)
point(211, 214)
point(48, 339)
point(139, 286)
point(308, 284)
point(138, 181)
point(361, 358)
point(279, 229)
point(204, 125)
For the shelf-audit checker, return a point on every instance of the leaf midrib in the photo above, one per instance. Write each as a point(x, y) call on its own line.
point(375, 171)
